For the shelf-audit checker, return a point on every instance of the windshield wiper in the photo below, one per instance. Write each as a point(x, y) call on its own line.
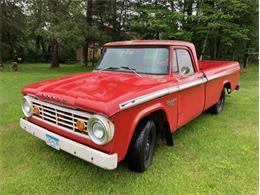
point(121, 67)
point(109, 68)
point(132, 69)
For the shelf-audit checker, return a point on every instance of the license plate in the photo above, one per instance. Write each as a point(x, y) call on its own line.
point(52, 142)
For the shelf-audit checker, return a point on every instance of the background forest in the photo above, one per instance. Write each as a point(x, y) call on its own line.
point(52, 30)
point(213, 154)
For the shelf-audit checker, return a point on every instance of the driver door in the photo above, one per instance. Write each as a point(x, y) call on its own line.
point(191, 95)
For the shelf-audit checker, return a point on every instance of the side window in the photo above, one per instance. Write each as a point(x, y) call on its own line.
point(175, 63)
point(184, 61)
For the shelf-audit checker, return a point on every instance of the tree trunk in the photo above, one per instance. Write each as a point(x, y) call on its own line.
point(218, 52)
point(204, 46)
point(114, 22)
point(88, 24)
point(188, 7)
point(246, 56)
point(2, 14)
point(55, 54)
point(172, 6)
point(93, 54)
point(214, 48)
point(85, 52)
point(43, 47)
point(125, 7)
point(37, 44)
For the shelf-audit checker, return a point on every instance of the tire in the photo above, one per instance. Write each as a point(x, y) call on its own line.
point(219, 106)
point(141, 150)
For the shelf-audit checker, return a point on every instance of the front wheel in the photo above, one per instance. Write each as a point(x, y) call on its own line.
point(219, 106)
point(141, 151)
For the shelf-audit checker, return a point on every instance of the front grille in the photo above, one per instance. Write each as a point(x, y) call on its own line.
point(61, 117)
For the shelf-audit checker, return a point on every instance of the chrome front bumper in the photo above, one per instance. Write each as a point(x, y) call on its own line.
point(101, 159)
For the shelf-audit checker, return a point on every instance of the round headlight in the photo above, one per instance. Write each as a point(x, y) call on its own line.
point(100, 130)
point(27, 107)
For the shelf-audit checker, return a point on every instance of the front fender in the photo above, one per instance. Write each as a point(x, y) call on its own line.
point(145, 112)
point(127, 120)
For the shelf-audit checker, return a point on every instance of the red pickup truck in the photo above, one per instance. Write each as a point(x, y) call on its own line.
point(139, 92)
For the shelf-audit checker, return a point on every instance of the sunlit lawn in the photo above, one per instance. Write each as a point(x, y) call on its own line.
point(212, 154)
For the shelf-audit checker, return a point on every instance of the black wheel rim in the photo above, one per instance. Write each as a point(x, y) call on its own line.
point(148, 145)
point(220, 103)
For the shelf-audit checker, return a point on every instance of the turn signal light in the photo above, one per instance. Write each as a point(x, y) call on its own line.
point(36, 110)
point(80, 125)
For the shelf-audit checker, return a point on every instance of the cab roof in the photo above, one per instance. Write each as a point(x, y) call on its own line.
point(149, 43)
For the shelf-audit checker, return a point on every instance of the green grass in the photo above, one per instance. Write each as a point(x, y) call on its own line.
point(213, 154)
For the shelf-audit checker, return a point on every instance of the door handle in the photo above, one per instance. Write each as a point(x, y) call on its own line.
point(201, 77)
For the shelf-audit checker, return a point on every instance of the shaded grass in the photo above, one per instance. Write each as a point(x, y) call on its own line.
point(213, 154)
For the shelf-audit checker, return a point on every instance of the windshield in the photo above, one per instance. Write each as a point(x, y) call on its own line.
point(140, 60)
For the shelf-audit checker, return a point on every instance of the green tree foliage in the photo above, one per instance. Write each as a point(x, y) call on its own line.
point(12, 27)
point(159, 20)
point(52, 30)
point(219, 27)
point(216, 27)
point(59, 23)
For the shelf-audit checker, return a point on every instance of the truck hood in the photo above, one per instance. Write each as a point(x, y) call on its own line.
point(99, 91)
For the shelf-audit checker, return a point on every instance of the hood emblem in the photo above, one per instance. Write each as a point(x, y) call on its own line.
point(53, 98)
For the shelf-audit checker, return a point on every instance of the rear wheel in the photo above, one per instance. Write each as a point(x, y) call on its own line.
point(141, 151)
point(219, 106)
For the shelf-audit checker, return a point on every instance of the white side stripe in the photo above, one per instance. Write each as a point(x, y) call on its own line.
point(163, 92)
point(227, 72)
point(192, 84)
point(157, 94)
point(144, 98)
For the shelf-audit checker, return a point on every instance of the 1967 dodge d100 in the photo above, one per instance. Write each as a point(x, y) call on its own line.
point(139, 92)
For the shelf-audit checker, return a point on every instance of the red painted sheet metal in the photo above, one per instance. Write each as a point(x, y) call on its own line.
point(100, 91)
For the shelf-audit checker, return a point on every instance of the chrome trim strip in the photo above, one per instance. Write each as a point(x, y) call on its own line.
point(160, 93)
point(191, 84)
point(144, 98)
point(173, 89)
point(163, 92)
point(225, 73)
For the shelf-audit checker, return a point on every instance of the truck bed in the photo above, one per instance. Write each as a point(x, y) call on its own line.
point(219, 74)
point(214, 69)
point(205, 65)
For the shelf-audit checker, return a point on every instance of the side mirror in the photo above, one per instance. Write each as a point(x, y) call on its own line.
point(185, 70)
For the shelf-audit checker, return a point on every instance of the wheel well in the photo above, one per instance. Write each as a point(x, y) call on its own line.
point(227, 86)
point(159, 117)
point(162, 124)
